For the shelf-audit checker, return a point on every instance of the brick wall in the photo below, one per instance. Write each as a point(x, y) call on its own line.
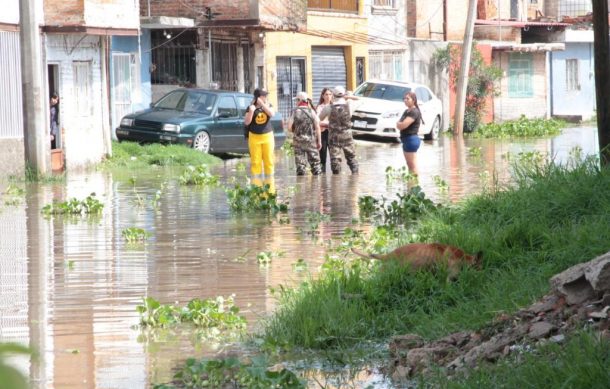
point(93, 13)
point(504, 34)
point(64, 12)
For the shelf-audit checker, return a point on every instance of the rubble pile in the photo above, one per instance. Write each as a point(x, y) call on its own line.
point(579, 294)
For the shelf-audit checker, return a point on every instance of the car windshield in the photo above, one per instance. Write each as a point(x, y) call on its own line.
point(382, 91)
point(188, 101)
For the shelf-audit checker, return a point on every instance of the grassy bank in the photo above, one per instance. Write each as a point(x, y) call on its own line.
point(552, 218)
point(134, 155)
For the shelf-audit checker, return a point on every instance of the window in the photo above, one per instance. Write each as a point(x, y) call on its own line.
point(386, 65)
point(82, 88)
point(384, 3)
point(520, 75)
point(242, 104)
point(227, 107)
point(334, 5)
point(572, 79)
point(173, 59)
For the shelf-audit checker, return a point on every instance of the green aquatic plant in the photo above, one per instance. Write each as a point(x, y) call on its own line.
point(475, 151)
point(313, 220)
point(265, 257)
point(254, 198)
point(90, 206)
point(288, 148)
point(220, 313)
point(440, 183)
point(252, 373)
point(367, 206)
point(13, 195)
point(300, 265)
point(135, 234)
point(400, 174)
point(406, 208)
point(521, 128)
point(199, 175)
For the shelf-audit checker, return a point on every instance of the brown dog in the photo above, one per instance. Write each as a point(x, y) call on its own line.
point(427, 255)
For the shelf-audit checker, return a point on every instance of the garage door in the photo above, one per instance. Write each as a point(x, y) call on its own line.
point(328, 69)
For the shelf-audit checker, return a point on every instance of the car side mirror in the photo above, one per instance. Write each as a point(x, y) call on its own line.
point(223, 115)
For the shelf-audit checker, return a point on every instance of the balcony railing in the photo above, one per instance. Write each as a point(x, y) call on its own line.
point(333, 5)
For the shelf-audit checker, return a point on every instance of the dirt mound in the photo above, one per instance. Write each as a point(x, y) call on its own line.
point(579, 294)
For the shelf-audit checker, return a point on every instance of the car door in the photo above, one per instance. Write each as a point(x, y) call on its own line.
point(427, 112)
point(228, 133)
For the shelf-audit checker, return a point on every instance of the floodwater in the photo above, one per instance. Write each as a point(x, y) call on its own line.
point(69, 287)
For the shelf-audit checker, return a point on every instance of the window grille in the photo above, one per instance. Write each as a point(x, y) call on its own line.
point(81, 71)
point(384, 3)
point(574, 8)
point(520, 76)
point(572, 79)
point(334, 5)
point(174, 59)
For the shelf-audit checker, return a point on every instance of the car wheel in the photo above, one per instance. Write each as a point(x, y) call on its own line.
point(436, 126)
point(202, 142)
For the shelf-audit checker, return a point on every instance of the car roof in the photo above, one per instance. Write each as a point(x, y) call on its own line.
point(216, 91)
point(394, 82)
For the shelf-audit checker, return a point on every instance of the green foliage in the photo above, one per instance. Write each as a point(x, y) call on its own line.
point(407, 208)
point(13, 195)
point(135, 234)
point(440, 184)
point(265, 257)
point(219, 313)
point(400, 174)
point(521, 128)
point(313, 220)
point(134, 155)
point(254, 198)
point(481, 81)
point(11, 378)
point(582, 362)
point(90, 206)
point(288, 148)
point(199, 175)
point(33, 175)
point(232, 373)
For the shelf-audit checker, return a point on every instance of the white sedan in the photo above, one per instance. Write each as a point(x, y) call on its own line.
point(380, 105)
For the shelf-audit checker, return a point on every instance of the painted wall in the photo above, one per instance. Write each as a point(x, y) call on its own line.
point(83, 131)
point(10, 12)
point(297, 44)
point(508, 108)
point(581, 102)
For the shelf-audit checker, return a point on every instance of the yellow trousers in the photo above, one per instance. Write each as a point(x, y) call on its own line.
point(261, 153)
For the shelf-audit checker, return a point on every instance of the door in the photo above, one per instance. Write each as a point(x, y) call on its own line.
point(290, 81)
point(123, 65)
point(573, 81)
point(328, 69)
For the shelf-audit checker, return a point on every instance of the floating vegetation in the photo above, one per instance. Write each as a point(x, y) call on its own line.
point(400, 174)
point(13, 195)
point(300, 265)
point(219, 313)
point(199, 175)
point(313, 220)
point(521, 128)
point(253, 373)
point(288, 149)
point(135, 234)
point(475, 152)
point(409, 206)
point(265, 257)
point(440, 184)
point(252, 198)
point(90, 206)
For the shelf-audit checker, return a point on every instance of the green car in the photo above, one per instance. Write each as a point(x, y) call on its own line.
point(211, 121)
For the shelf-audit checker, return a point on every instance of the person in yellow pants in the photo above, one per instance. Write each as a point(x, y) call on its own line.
point(261, 142)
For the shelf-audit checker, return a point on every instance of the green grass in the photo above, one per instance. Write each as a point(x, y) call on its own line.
point(583, 362)
point(130, 154)
point(520, 128)
point(553, 217)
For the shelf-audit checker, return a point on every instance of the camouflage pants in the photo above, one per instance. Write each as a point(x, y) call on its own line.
point(303, 157)
point(342, 143)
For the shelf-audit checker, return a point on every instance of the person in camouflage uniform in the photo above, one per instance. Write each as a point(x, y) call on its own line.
point(306, 140)
point(340, 137)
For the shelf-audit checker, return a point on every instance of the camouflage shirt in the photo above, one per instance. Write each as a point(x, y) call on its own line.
point(304, 127)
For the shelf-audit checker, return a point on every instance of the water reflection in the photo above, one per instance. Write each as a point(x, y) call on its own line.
point(69, 288)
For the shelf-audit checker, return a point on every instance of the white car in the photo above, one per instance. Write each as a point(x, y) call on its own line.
point(380, 104)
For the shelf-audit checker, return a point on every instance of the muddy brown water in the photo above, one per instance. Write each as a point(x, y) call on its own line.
point(69, 287)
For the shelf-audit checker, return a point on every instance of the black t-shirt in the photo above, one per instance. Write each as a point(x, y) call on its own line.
point(261, 122)
point(413, 129)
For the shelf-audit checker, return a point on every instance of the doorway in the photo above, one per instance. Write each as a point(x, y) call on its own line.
point(57, 154)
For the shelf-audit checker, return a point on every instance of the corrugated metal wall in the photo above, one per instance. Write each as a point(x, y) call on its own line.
point(11, 114)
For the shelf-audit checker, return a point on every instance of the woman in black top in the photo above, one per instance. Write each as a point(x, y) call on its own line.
point(409, 127)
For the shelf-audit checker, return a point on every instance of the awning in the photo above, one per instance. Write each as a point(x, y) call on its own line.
point(159, 22)
point(526, 47)
point(519, 24)
point(90, 30)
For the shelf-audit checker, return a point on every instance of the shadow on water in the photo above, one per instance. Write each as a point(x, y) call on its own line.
point(69, 288)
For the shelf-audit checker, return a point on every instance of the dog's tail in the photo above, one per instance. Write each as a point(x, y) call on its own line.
point(365, 255)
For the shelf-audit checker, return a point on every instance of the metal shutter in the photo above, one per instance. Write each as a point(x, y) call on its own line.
point(328, 69)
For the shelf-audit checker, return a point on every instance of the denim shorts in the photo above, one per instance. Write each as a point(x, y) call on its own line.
point(410, 143)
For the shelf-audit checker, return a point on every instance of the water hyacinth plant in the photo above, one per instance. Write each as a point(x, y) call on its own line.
point(408, 207)
point(521, 128)
point(199, 175)
point(135, 234)
point(253, 198)
point(90, 206)
point(216, 312)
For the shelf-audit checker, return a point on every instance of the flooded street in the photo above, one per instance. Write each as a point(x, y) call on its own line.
point(69, 287)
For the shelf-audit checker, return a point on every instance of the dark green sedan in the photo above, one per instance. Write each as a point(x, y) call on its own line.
point(211, 121)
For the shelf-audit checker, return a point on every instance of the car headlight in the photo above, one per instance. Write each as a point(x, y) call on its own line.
point(391, 114)
point(171, 128)
point(126, 122)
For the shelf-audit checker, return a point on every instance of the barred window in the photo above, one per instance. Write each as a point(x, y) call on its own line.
point(572, 79)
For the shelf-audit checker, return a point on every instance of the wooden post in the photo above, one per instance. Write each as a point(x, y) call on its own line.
point(602, 77)
point(460, 102)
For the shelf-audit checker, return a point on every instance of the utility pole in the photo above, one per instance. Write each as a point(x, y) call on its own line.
point(209, 15)
point(602, 77)
point(462, 85)
point(36, 141)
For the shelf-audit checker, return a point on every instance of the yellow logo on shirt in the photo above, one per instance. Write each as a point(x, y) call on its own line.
point(261, 118)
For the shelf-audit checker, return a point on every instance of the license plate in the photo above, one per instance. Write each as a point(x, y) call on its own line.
point(360, 123)
point(167, 137)
point(122, 132)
